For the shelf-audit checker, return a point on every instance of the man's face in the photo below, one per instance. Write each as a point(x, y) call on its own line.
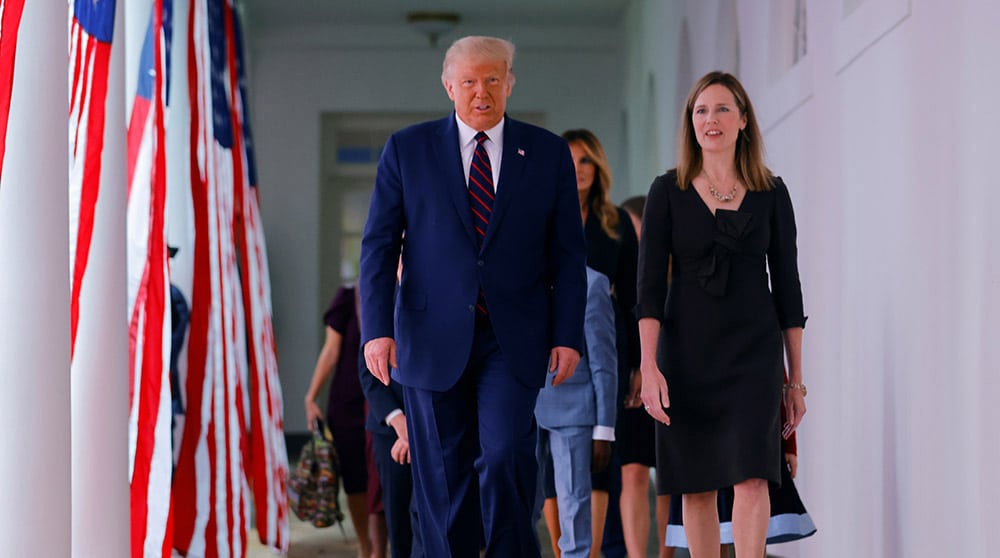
point(479, 89)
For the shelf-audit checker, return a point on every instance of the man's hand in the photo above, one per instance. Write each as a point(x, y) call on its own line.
point(398, 423)
point(400, 452)
point(600, 455)
point(563, 361)
point(380, 356)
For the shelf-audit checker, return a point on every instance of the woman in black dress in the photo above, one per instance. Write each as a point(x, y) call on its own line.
point(712, 345)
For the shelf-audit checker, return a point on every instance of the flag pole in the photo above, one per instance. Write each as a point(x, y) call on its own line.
point(34, 295)
point(99, 370)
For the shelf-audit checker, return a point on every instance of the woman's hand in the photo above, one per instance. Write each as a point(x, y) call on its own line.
point(313, 412)
point(655, 396)
point(795, 409)
point(793, 463)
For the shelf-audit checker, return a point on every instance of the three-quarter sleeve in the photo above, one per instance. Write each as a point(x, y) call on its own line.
point(654, 250)
point(782, 259)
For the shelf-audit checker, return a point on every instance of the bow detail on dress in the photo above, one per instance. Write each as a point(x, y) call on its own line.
point(713, 269)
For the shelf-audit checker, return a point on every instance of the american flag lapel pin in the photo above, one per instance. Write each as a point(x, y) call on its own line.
point(520, 152)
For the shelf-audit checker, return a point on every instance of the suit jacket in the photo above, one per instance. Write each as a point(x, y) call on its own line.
point(382, 399)
point(589, 397)
point(530, 267)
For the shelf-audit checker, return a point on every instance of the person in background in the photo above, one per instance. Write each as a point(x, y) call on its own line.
point(635, 206)
point(713, 344)
point(493, 294)
point(576, 421)
point(391, 451)
point(180, 315)
point(345, 416)
point(612, 249)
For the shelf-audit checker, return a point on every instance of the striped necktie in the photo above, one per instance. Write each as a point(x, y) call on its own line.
point(481, 199)
point(481, 187)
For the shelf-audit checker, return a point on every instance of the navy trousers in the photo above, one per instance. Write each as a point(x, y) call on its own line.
point(473, 452)
point(397, 491)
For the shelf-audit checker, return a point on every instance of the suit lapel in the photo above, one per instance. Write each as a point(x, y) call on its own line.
point(511, 168)
point(449, 158)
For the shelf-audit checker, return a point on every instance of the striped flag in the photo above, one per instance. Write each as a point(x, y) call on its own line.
point(10, 20)
point(268, 455)
point(150, 459)
point(91, 26)
point(211, 491)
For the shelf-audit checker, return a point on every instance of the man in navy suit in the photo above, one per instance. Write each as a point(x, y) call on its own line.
point(492, 295)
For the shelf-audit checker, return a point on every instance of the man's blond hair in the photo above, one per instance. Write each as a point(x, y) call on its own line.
point(479, 48)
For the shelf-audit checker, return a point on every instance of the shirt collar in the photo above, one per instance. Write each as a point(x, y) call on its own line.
point(467, 134)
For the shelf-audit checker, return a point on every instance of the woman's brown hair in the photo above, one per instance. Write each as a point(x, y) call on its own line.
point(749, 144)
point(599, 198)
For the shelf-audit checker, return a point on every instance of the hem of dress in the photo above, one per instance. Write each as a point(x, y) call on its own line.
point(781, 528)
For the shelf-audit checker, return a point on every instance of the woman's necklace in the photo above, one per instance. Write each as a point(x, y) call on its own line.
point(715, 193)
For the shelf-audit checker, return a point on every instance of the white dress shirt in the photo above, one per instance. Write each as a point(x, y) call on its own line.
point(494, 147)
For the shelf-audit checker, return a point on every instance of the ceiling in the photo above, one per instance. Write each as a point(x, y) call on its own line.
point(298, 13)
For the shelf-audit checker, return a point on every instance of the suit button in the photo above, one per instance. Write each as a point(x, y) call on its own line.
point(480, 263)
point(472, 308)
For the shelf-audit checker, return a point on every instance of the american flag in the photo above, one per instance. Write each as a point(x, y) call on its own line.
point(268, 455)
point(211, 490)
point(10, 19)
point(150, 458)
point(91, 27)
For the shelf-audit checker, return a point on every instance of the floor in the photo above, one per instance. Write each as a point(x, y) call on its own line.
point(333, 542)
point(309, 542)
point(330, 542)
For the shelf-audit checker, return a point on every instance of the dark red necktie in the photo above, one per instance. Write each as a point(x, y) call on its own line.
point(481, 197)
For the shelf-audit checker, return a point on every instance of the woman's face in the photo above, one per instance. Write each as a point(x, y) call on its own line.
point(716, 119)
point(585, 168)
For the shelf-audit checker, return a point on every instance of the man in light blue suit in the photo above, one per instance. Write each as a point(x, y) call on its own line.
point(577, 419)
point(493, 292)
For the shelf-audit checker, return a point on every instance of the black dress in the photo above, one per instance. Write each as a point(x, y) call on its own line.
point(720, 345)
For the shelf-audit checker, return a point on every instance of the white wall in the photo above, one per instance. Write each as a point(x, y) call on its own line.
point(886, 136)
point(571, 75)
point(650, 54)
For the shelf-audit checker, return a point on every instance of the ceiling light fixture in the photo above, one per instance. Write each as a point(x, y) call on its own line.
point(433, 24)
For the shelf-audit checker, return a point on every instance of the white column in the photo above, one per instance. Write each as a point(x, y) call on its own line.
point(34, 295)
point(99, 375)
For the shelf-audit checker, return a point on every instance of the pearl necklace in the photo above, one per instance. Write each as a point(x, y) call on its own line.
point(715, 193)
